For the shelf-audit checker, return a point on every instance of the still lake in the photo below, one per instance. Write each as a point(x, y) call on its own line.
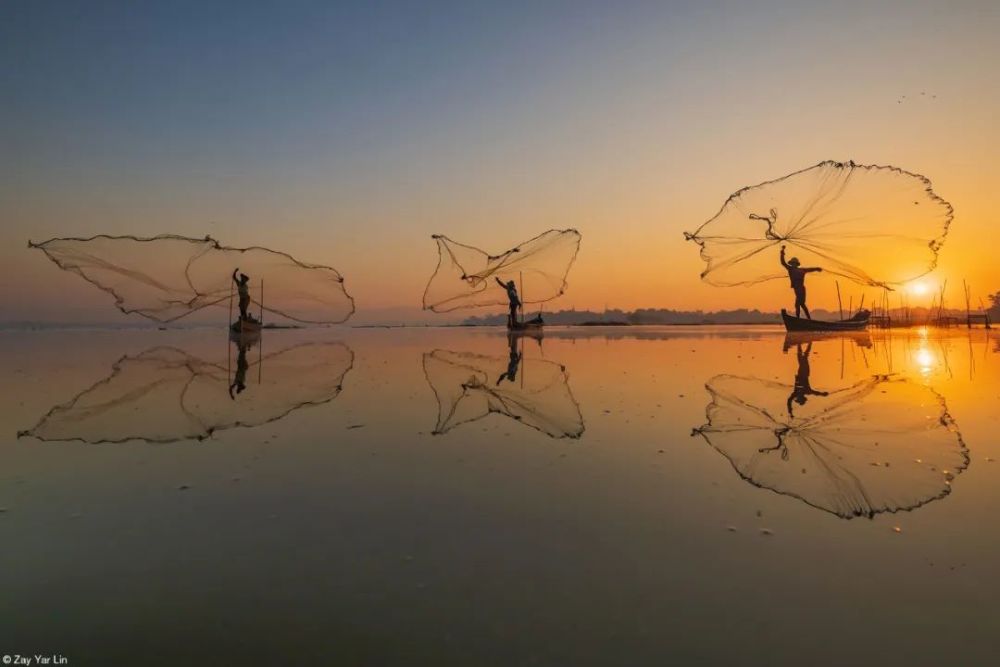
point(599, 496)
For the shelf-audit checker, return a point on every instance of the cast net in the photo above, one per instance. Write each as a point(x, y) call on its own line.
point(534, 392)
point(875, 225)
point(466, 277)
point(881, 445)
point(169, 277)
point(167, 394)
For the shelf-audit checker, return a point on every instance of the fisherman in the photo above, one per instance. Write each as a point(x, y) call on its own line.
point(243, 288)
point(797, 276)
point(515, 301)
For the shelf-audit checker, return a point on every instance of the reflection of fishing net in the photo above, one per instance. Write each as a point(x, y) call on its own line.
point(881, 445)
point(464, 277)
point(167, 277)
point(469, 387)
point(878, 226)
point(165, 394)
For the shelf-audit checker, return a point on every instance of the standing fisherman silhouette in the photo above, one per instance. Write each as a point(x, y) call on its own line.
point(797, 277)
point(243, 288)
point(515, 300)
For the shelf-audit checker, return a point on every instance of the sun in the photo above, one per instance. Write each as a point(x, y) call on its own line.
point(918, 288)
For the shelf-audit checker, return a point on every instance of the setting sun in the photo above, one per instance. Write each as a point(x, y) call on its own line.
point(918, 288)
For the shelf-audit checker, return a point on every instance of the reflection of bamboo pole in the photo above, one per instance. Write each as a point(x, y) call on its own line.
point(262, 301)
point(230, 322)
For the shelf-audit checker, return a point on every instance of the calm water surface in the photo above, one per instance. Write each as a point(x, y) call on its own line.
point(445, 496)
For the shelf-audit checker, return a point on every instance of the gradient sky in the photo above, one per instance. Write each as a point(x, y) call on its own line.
point(347, 135)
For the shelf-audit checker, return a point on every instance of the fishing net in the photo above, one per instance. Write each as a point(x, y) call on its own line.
point(878, 226)
point(465, 277)
point(534, 392)
point(166, 394)
point(881, 445)
point(166, 278)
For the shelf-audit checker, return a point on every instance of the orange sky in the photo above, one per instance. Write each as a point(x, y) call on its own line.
point(632, 131)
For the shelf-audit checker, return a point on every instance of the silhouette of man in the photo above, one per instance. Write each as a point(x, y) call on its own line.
point(515, 301)
point(243, 289)
point(802, 389)
point(797, 277)
point(513, 363)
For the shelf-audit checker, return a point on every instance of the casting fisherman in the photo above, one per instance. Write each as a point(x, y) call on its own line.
point(515, 301)
point(243, 289)
point(797, 277)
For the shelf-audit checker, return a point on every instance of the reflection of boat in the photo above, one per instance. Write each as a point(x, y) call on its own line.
point(249, 337)
point(533, 325)
point(166, 394)
point(880, 445)
point(858, 322)
point(793, 338)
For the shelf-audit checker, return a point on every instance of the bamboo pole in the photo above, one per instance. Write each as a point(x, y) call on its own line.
point(260, 339)
point(230, 322)
point(521, 289)
point(840, 304)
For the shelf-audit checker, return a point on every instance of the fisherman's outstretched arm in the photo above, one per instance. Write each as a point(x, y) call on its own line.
point(500, 282)
point(813, 269)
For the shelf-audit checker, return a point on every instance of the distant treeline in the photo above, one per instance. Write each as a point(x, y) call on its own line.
point(641, 316)
point(737, 316)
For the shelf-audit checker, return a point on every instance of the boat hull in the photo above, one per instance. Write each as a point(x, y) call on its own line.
point(857, 323)
point(245, 326)
point(534, 326)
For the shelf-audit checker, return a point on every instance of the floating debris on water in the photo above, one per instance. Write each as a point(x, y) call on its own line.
point(766, 531)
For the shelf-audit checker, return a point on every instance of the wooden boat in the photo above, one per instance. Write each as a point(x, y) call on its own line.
point(534, 325)
point(245, 326)
point(857, 323)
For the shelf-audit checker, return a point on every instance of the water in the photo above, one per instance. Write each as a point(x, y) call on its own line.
point(386, 497)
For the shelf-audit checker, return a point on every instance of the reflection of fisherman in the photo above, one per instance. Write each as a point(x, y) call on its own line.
point(802, 389)
point(243, 288)
point(513, 362)
point(797, 276)
point(515, 301)
point(240, 379)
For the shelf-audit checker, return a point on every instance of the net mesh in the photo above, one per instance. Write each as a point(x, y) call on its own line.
point(169, 277)
point(881, 445)
point(876, 225)
point(166, 394)
point(465, 276)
